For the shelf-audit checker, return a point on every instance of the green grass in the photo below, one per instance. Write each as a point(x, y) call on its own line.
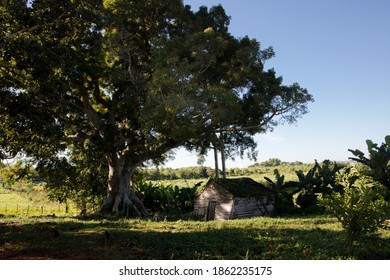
point(33, 204)
point(13, 203)
point(321, 237)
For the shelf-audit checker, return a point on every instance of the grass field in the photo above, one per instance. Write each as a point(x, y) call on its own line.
point(13, 203)
point(275, 238)
point(28, 230)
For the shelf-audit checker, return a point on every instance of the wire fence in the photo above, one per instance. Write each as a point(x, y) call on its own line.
point(36, 210)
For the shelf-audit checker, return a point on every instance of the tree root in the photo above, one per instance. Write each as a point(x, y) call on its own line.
point(124, 205)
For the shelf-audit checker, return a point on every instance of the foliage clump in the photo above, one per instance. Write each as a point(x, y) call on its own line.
point(361, 207)
point(283, 198)
point(378, 161)
point(301, 196)
point(166, 198)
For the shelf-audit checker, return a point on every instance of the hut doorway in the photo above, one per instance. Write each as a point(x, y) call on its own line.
point(211, 210)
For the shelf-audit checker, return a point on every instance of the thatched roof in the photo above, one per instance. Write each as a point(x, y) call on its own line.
point(240, 187)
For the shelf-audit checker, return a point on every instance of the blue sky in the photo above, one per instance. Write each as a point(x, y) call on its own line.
point(340, 51)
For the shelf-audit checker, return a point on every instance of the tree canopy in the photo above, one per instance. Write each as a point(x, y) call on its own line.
point(116, 83)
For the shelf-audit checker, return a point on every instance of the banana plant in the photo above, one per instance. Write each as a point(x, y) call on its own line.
point(326, 177)
point(283, 198)
point(166, 198)
point(378, 160)
point(278, 184)
point(309, 180)
point(320, 179)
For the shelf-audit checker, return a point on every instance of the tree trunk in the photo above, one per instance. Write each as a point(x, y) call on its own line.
point(121, 199)
point(223, 158)
point(216, 157)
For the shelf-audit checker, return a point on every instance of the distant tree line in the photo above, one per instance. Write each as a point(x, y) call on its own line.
point(195, 172)
point(276, 162)
point(201, 172)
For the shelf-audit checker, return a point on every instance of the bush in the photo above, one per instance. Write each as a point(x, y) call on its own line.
point(378, 162)
point(165, 198)
point(361, 208)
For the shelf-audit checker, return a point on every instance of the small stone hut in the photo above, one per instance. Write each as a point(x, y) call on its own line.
point(222, 199)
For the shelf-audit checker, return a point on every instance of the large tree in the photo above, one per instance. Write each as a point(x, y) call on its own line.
point(238, 97)
point(126, 82)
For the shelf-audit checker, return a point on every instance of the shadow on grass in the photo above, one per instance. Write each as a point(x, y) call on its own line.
point(87, 239)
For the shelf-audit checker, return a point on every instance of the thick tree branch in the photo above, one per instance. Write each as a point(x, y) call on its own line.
point(97, 94)
point(30, 29)
point(25, 30)
point(75, 102)
point(92, 115)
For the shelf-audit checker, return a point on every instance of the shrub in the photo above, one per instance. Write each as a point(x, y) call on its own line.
point(361, 208)
point(165, 198)
point(378, 161)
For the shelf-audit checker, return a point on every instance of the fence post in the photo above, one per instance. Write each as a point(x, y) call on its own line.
point(17, 208)
point(41, 210)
